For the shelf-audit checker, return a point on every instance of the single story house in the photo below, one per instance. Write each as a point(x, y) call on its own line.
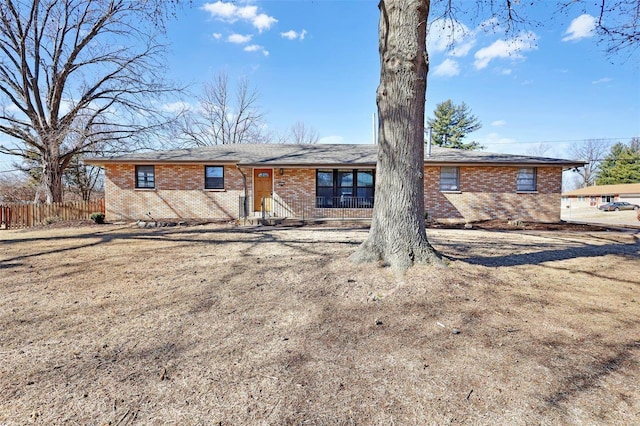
point(593, 196)
point(323, 181)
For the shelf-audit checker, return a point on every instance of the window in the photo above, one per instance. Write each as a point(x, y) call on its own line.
point(365, 185)
point(526, 179)
point(345, 188)
point(213, 177)
point(449, 179)
point(324, 188)
point(145, 177)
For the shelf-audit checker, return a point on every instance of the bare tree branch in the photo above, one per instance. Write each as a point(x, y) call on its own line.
point(592, 151)
point(69, 69)
point(220, 120)
point(300, 133)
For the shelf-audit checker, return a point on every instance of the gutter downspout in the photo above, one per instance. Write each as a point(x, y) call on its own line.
point(244, 184)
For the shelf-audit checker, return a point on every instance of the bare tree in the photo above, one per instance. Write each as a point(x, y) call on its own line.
point(71, 68)
point(300, 133)
point(82, 179)
point(222, 117)
point(592, 151)
point(539, 150)
point(16, 188)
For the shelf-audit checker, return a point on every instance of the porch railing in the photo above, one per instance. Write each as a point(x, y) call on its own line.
point(311, 208)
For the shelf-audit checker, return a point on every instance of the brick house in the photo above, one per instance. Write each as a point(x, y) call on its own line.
point(324, 181)
point(593, 196)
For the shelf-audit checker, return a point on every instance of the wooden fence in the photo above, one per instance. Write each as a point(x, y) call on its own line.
point(13, 216)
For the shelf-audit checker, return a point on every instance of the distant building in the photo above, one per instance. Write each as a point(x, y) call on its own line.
point(593, 196)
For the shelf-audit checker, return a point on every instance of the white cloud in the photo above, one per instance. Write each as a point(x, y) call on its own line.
point(462, 49)
point(456, 37)
point(177, 106)
point(443, 35)
point(506, 71)
point(239, 38)
point(448, 68)
point(498, 123)
point(333, 139)
point(230, 12)
point(247, 12)
point(217, 36)
point(221, 9)
point(581, 27)
point(602, 80)
point(525, 41)
point(292, 35)
point(263, 22)
point(256, 48)
point(494, 142)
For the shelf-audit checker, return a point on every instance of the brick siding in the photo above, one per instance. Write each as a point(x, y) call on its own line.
point(179, 193)
point(490, 193)
point(485, 193)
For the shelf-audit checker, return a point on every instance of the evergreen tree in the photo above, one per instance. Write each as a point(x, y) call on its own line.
point(451, 124)
point(621, 165)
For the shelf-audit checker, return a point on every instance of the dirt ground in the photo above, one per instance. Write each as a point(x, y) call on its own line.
point(115, 325)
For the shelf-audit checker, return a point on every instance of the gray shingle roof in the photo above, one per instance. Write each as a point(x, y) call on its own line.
point(597, 190)
point(286, 155)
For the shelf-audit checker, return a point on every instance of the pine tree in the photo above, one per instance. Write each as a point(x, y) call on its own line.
point(451, 124)
point(621, 165)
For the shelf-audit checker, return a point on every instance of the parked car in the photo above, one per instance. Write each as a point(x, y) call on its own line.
point(618, 205)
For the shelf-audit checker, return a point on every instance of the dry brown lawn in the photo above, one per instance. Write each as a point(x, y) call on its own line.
point(220, 325)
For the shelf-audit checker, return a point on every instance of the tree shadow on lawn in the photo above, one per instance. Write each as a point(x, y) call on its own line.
point(582, 250)
point(587, 377)
point(253, 237)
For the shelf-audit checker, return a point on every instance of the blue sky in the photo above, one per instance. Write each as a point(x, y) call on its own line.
point(317, 62)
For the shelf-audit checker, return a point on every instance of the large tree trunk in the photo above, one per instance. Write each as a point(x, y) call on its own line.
point(398, 236)
point(52, 173)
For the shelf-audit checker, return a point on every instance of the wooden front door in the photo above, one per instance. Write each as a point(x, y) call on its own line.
point(262, 189)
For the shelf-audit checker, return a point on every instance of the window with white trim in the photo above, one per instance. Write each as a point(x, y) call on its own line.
point(449, 179)
point(214, 177)
point(145, 177)
point(526, 179)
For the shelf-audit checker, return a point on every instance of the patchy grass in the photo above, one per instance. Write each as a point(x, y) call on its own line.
point(216, 325)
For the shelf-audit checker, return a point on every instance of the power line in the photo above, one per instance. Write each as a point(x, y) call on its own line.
point(562, 141)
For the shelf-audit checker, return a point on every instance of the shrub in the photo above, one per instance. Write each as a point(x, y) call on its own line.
point(97, 217)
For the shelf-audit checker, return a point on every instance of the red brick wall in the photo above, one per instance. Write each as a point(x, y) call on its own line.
point(485, 193)
point(295, 195)
point(490, 193)
point(179, 193)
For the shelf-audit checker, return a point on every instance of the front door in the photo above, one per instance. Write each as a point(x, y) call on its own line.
point(262, 189)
